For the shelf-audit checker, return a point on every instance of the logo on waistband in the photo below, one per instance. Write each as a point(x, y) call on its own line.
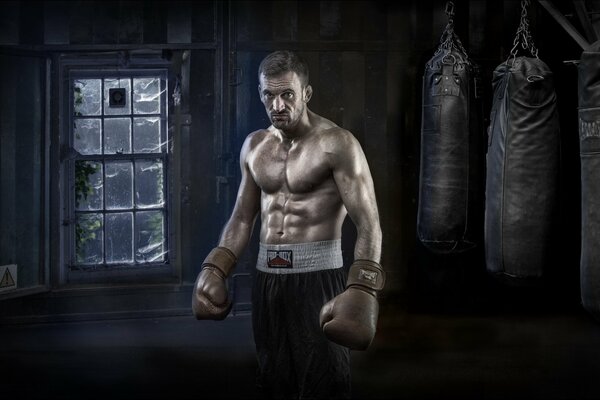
point(280, 259)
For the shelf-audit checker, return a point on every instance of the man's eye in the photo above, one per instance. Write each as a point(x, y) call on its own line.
point(288, 95)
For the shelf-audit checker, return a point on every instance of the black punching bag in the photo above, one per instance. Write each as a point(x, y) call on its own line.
point(589, 140)
point(451, 131)
point(522, 167)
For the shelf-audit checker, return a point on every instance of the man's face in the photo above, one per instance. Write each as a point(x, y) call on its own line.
point(284, 99)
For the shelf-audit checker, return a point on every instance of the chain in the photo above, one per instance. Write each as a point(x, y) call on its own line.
point(524, 33)
point(449, 39)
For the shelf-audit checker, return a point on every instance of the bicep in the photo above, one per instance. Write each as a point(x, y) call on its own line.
point(247, 202)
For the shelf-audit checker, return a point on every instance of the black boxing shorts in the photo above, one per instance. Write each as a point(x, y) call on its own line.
point(295, 359)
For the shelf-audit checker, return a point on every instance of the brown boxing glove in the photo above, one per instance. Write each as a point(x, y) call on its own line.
point(210, 299)
point(350, 319)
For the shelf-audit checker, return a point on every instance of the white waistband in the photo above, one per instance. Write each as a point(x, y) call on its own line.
point(300, 257)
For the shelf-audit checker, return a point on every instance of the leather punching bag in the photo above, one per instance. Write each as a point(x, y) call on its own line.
point(522, 167)
point(589, 140)
point(451, 132)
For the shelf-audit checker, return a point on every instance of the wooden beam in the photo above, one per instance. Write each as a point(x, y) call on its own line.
point(585, 20)
point(564, 22)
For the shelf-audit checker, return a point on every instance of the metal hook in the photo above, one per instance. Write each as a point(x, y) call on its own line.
point(446, 59)
point(449, 9)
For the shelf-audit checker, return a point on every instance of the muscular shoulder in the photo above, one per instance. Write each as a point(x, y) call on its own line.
point(338, 142)
point(253, 141)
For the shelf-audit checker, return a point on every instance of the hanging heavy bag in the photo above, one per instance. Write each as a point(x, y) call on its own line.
point(589, 140)
point(451, 131)
point(522, 165)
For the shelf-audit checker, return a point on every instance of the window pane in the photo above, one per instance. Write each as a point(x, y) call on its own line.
point(149, 184)
point(113, 83)
point(119, 185)
point(119, 238)
point(146, 95)
point(88, 185)
point(89, 239)
point(117, 135)
point(87, 136)
point(150, 236)
point(146, 135)
point(87, 97)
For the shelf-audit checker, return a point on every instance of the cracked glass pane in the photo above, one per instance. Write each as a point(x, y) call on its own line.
point(119, 185)
point(87, 97)
point(149, 184)
point(114, 83)
point(146, 95)
point(117, 135)
point(150, 236)
point(146, 135)
point(119, 238)
point(87, 137)
point(89, 239)
point(88, 186)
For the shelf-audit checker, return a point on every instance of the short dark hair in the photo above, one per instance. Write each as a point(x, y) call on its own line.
point(282, 61)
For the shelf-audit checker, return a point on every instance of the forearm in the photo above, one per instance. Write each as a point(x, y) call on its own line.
point(236, 235)
point(368, 243)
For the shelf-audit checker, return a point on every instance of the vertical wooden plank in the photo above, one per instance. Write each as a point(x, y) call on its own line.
point(81, 27)
point(155, 22)
point(312, 59)
point(285, 20)
point(353, 93)
point(250, 116)
point(331, 20)
point(477, 30)
point(309, 15)
point(353, 19)
point(397, 201)
point(131, 22)
point(240, 10)
point(375, 113)
point(253, 20)
point(56, 22)
point(106, 22)
point(250, 111)
point(330, 91)
point(375, 19)
point(200, 229)
point(29, 130)
point(179, 22)
point(400, 16)
point(9, 22)
point(203, 21)
point(31, 23)
point(425, 36)
point(8, 177)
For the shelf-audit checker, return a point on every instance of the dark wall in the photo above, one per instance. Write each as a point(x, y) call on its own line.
point(366, 60)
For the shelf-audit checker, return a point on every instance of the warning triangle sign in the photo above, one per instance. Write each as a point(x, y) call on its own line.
point(7, 279)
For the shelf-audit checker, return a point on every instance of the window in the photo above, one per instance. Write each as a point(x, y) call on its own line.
point(117, 171)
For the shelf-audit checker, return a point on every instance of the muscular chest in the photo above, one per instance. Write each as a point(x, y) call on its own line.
point(297, 168)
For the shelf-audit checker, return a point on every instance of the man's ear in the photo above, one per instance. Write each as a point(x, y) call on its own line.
point(259, 92)
point(307, 93)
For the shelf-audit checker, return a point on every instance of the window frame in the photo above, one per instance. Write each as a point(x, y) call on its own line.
point(101, 67)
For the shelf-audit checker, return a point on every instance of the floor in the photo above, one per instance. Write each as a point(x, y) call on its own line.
point(414, 356)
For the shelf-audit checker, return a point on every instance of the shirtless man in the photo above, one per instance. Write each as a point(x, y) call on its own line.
point(304, 174)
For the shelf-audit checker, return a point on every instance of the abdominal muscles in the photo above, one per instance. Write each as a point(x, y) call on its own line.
point(301, 218)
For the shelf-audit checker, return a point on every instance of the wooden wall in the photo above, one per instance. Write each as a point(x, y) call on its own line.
point(366, 60)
